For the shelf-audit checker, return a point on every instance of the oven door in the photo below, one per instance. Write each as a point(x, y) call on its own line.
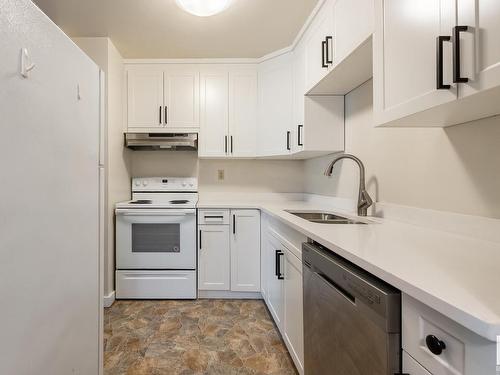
point(155, 239)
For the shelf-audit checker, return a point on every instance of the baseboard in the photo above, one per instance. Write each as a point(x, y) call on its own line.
point(109, 299)
point(226, 294)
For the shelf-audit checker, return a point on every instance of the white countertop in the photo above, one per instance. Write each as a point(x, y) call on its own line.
point(456, 275)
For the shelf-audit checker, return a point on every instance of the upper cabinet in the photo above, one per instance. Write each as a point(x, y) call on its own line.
point(319, 50)
point(182, 97)
point(344, 30)
point(145, 99)
point(228, 111)
point(162, 98)
point(318, 121)
point(243, 98)
point(480, 48)
point(275, 106)
point(430, 70)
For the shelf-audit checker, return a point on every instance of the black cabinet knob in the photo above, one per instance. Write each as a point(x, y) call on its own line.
point(435, 345)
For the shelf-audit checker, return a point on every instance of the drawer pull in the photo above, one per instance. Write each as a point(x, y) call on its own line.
point(435, 345)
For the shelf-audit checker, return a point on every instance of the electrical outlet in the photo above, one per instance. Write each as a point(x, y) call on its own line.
point(220, 174)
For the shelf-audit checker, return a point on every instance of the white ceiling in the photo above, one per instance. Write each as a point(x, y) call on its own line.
point(159, 29)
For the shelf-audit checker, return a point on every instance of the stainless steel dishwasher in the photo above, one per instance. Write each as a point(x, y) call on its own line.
point(352, 320)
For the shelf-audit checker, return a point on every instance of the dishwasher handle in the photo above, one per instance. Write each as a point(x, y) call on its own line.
point(344, 293)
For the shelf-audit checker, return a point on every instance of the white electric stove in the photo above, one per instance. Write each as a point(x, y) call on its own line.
point(156, 240)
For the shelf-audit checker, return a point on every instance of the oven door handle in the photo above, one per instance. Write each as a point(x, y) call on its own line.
point(153, 213)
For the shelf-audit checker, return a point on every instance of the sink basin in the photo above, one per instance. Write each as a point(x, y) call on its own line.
point(324, 218)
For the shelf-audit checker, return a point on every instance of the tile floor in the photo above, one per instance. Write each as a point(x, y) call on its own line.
point(193, 337)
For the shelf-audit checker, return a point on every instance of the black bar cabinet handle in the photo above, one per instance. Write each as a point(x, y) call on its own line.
point(456, 54)
point(323, 50)
point(200, 239)
point(160, 116)
point(225, 144)
point(439, 62)
point(329, 41)
point(280, 275)
point(277, 263)
point(234, 224)
point(299, 135)
point(231, 144)
point(288, 140)
point(166, 115)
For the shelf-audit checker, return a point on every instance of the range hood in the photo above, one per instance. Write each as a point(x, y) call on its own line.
point(162, 141)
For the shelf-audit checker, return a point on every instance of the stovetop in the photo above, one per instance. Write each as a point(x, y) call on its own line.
point(162, 192)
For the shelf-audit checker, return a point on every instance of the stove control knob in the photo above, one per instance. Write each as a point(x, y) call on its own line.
point(137, 182)
point(145, 183)
point(191, 185)
point(183, 184)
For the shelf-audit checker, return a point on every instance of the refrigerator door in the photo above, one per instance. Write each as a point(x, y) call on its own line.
point(49, 211)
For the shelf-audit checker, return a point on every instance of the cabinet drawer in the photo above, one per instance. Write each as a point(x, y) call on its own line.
point(410, 366)
point(208, 217)
point(463, 352)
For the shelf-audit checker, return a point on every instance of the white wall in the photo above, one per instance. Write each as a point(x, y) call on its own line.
point(453, 169)
point(253, 176)
point(118, 163)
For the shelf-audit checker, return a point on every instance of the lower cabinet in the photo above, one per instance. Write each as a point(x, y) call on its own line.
point(433, 342)
point(214, 252)
point(229, 250)
point(294, 324)
point(245, 250)
point(282, 288)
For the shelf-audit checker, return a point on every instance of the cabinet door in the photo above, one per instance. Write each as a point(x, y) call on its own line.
point(245, 250)
point(480, 49)
point(145, 98)
point(275, 106)
point(294, 324)
point(213, 112)
point(275, 286)
point(182, 96)
point(405, 56)
point(243, 111)
point(349, 34)
point(299, 91)
point(213, 257)
point(317, 55)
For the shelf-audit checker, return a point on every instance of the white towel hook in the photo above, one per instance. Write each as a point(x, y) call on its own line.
point(26, 63)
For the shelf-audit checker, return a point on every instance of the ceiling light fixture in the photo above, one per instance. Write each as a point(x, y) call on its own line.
point(203, 8)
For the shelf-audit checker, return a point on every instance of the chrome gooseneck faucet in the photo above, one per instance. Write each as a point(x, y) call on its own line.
point(364, 200)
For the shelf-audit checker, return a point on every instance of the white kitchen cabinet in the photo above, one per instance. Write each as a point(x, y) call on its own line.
point(441, 345)
point(213, 255)
point(283, 284)
point(229, 250)
point(275, 106)
point(353, 24)
point(243, 111)
point(293, 317)
point(245, 250)
point(319, 44)
point(480, 51)
point(414, 85)
point(228, 111)
point(162, 98)
point(145, 98)
point(214, 112)
point(404, 48)
point(318, 120)
point(182, 96)
point(275, 286)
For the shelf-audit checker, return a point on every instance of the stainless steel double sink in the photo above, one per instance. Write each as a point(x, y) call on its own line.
point(324, 217)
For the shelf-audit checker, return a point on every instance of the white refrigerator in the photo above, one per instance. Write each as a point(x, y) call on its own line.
point(51, 195)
